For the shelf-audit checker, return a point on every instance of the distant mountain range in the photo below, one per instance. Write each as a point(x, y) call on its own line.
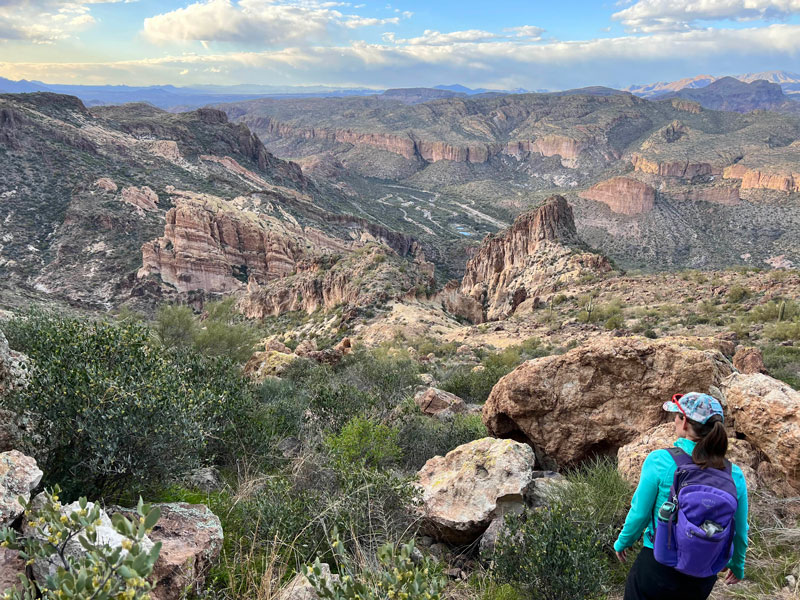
point(789, 82)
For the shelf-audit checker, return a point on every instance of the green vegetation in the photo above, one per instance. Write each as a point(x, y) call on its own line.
point(102, 573)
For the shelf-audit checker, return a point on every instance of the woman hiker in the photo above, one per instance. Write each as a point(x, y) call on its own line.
point(702, 441)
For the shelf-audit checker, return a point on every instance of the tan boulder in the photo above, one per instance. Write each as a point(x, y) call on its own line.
point(105, 184)
point(598, 397)
point(263, 365)
point(277, 346)
point(345, 346)
point(300, 588)
point(631, 456)
point(465, 490)
point(749, 360)
point(18, 476)
point(433, 401)
point(143, 198)
point(767, 413)
point(305, 347)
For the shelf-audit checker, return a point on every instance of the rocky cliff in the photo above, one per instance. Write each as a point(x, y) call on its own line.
point(623, 195)
point(538, 251)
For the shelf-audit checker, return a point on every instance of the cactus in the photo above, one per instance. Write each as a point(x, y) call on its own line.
point(781, 310)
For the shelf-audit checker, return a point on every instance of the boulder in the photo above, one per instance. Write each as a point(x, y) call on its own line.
point(205, 479)
point(263, 365)
point(598, 397)
point(465, 490)
point(345, 346)
point(767, 412)
point(300, 588)
point(106, 534)
point(12, 367)
point(749, 361)
point(11, 566)
point(631, 456)
point(433, 401)
point(305, 347)
point(10, 430)
point(18, 476)
point(277, 346)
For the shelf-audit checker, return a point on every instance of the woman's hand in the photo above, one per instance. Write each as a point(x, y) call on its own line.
point(730, 578)
point(622, 555)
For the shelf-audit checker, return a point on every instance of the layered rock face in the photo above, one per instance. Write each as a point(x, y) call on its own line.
point(465, 490)
point(623, 195)
point(209, 245)
point(683, 169)
point(598, 397)
point(528, 259)
point(755, 179)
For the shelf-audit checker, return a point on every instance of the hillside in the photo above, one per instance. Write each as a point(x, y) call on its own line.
point(707, 188)
point(136, 205)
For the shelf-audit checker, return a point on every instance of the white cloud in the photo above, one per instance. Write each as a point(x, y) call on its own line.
point(256, 22)
point(526, 31)
point(45, 21)
point(678, 15)
point(436, 38)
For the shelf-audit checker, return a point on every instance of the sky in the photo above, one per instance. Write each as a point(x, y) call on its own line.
point(532, 44)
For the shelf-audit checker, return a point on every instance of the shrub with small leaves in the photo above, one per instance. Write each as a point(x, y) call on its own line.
point(399, 577)
point(551, 554)
point(100, 572)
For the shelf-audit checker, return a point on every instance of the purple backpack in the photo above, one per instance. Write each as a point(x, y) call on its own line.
point(694, 531)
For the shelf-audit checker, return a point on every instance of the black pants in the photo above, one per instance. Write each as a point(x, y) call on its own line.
point(650, 580)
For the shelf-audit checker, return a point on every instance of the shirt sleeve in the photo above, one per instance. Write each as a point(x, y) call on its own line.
point(736, 564)
point(642, 504)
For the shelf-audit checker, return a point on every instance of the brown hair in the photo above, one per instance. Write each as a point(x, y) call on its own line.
point(710, 450)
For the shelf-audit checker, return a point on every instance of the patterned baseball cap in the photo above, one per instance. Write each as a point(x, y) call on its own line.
point(695, 406)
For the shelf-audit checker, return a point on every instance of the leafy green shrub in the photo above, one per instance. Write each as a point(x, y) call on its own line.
point(551, 554)
point(774, 311)
point(398, 577)
point(783, 331)
point(366, 442)
point(175, 326)
point(737, 293)
point(783, 362)
point(615, 322)
point(117, 414)
point(421, 437)
point(101, 573)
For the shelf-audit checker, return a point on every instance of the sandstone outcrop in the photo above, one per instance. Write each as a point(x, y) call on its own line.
point(529, 258)
point(749, 360)
point(727, 195)
point(105, 184)
point(767, 412)
point(143, 198)
point(598, 397)
point(191, 539)
point(753, 179)
point(623, 195)
point(19, 475)
point(433, 401)
point(682, 169)
point(465, 490)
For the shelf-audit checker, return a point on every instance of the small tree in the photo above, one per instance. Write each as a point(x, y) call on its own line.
point(100, 572)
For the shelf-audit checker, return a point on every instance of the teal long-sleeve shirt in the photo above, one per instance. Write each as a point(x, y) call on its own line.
point(658, 471)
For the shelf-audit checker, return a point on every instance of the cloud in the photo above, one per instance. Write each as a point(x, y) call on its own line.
point(681, 15)
point(255, 22)
point(45, 21)
point(526, 31)
point(470, 36)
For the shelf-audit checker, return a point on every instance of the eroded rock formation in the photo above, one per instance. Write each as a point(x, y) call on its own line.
point(598, 397)
point(623, 195)
point(754, 179)
point(537, 252)
point(19, 475)
point(683, 169)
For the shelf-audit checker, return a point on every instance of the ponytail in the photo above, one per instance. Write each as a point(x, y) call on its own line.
point(710, 450)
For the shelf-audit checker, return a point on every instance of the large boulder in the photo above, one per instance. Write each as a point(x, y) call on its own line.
point(598, 397)
point(18, 476)
point(749, 360)
point(767, 412)
point(631, 456)
point(465, 490)
point(12, 367)
point(300, 588)
point(433, 401)
point(271, 363)
point(191, 539)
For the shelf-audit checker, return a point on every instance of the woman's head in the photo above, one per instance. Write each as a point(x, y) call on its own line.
point(699, 417)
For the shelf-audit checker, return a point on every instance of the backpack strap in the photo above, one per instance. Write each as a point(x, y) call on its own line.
point(681, 458)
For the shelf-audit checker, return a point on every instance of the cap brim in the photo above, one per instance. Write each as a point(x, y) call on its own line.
point(671, 406)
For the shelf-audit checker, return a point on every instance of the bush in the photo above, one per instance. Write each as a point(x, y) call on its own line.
point(101, 573)
point(365, 442)
point(550, 554)
point(774, 311)
point(116, 414)
point(783, 362)
point(783, 331)
point(421, 437)
point(615, 322)
point(399, 576)
point(737, 293)
point(175, 326)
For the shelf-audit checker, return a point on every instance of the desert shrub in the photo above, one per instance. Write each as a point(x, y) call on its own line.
point(175, 326)
point(615, 322)
point(398, 575)
point(115, 413)
point(783, 331)
point(737, 293)
point(365, 442)
point(593, 312)
point(232, 340)
point(550, 554)
point(101, 573)
point(783, 362)
point(386, 374)
point(774, 311)
point(420, 437)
